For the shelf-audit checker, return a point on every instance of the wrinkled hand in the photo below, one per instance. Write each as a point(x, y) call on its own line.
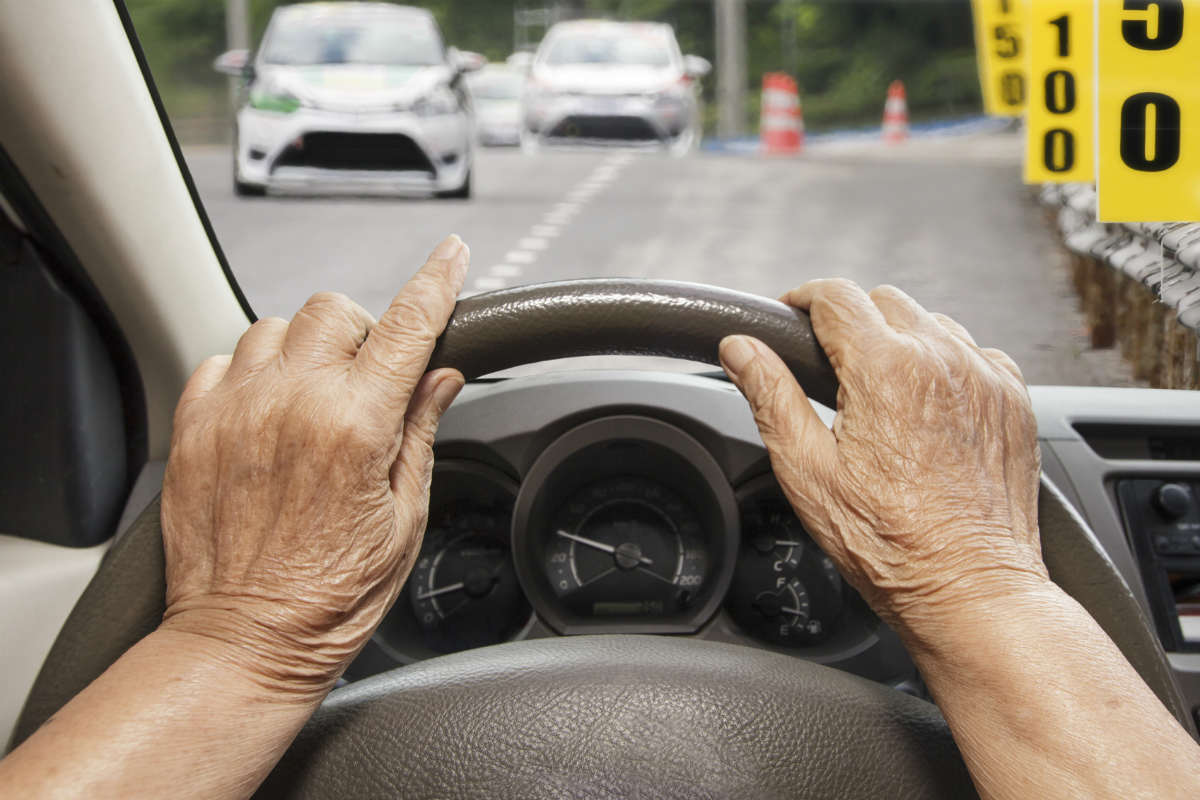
point(925, 492)
point(296, 491)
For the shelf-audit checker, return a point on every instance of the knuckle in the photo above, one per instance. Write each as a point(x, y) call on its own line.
point(328, 299)
point(270, 323)
point(412, 313)
point(327, 305)
point(888, 291)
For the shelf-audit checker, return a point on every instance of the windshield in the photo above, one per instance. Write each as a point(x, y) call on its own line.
point(352, 39)
point(608, 49)
point(496, 84)
point(947, 147)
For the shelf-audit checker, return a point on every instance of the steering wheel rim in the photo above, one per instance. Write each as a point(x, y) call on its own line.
point(618, 316)
point(454, 699)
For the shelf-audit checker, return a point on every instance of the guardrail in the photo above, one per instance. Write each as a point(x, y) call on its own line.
point(1138, 284)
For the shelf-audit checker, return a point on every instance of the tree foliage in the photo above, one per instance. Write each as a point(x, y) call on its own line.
point(843, 54)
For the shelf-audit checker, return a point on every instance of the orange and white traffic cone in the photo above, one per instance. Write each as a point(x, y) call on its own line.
point(782, 125)
point(895, 114)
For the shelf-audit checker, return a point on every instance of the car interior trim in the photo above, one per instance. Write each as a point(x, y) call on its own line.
point(177, 151)
point(78, 122)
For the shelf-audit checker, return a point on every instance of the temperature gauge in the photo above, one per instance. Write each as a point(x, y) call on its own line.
point(785, 590)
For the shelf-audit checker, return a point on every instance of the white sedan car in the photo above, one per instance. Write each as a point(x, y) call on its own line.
point(603, 83)
point(353, 97)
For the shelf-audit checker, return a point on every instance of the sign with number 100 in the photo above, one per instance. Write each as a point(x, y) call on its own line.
point(1000, 49)
point(1148, 119)
point(1059, 119)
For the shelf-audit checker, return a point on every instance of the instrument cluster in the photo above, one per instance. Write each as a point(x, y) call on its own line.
point(620, 525)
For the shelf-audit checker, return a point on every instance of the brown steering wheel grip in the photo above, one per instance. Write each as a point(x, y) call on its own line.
point(499, 330)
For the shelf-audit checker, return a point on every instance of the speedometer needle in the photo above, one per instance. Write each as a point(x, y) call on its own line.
point(453, 587)
point(601, 546)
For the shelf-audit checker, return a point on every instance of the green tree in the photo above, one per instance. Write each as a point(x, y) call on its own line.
point(843, 54)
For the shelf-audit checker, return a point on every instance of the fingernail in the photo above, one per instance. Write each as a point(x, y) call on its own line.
point(449, 247)
point(446, 390)
point(462, 262)
point(736, 353)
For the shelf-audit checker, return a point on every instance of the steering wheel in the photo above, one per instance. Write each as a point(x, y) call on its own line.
point(607, 716)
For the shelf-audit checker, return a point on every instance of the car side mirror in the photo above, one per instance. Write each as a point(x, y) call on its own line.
point(696, 67)
point(236, 63)
point(465, 60)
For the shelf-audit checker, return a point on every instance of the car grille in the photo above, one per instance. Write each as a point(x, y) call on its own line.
point(603, 127)
point(364, 151)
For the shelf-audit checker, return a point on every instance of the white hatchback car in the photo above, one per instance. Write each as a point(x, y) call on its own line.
point(353, 97)
point(601, 83)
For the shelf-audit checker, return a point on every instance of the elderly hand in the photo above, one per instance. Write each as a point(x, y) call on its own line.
point(296, 492)
point(925, 492)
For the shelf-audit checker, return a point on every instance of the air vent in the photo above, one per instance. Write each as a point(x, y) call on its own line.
point(1125, 442)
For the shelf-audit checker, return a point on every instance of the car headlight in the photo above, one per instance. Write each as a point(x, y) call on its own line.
point(439, 101)
point(274, 99)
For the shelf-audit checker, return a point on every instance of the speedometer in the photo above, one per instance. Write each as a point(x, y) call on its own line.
point(625, 525)
point(626, 547)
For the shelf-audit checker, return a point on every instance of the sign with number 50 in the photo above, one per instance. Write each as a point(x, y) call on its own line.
point(1148, 118)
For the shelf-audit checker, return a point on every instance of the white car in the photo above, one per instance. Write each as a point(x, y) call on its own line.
point(601, 83)
point(353, 97)
point(496, 94)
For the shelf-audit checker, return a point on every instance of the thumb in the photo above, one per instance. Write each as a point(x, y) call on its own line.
point(803, 451)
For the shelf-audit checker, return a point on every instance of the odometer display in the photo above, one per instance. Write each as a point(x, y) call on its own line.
point(626, 547)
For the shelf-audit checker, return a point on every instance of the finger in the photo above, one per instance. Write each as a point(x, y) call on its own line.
point(260, 344)
point(1003, 361)
point(207, 375)
point(413, 468)
point(955, 329)
point(901, 311)
point(844, 319)
point(398, 349)
point(328, 328)
point(803, 451)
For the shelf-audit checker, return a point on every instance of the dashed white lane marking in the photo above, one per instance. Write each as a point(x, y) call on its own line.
point(520, 257)
point(533, 243)
point(537, 240)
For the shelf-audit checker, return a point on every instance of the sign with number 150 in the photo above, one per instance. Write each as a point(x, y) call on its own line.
point(1000, 48)
point(1148, 120)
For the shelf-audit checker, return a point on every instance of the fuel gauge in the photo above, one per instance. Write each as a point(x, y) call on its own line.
point(785, 590)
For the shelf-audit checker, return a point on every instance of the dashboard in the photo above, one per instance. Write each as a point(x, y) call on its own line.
point(612, 501)
point(556, 510)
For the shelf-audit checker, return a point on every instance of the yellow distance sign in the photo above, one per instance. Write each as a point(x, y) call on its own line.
point(1148, 110)
point(1000, 49)
point(1058, 122)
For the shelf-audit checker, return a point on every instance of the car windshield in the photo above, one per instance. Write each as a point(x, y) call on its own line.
point(296, 40)
point(496, 85)
point(608, 49)
point(1021, 173)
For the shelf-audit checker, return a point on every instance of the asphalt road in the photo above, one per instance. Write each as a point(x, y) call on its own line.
point(944, 219)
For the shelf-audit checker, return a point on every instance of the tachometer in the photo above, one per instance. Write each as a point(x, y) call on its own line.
point(626, 547)
point(463, 589)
